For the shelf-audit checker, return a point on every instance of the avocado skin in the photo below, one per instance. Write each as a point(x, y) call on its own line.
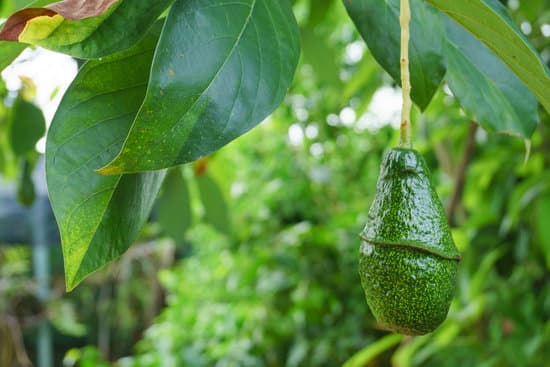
point(408, 259)
point(408, 291)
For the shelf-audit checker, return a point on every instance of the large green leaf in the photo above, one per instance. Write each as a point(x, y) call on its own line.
point(117, 28)
point(486, 88)
point(99, 216)
point(173, 206)
point(378, 23)
point(27, 126)
point(489, 21)
point(9, 52)
point(220, 68)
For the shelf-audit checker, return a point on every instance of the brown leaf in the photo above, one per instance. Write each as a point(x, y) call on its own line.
point(68, 9)
point(17, 22)
point(80, 9)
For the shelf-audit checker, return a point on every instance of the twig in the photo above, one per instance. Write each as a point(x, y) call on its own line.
point(21, 355)
point(460, 177)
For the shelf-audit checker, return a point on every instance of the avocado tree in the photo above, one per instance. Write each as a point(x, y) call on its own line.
point(169, 82)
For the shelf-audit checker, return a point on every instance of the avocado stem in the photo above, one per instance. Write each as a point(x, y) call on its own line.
point(404, 20)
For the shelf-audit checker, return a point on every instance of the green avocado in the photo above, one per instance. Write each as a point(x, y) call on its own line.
point(408, 259)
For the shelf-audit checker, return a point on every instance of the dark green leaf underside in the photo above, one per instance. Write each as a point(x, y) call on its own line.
point(486, 88)
point(492, 25)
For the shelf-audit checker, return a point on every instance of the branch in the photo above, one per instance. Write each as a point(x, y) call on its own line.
point(460, 178)
point(21, 356)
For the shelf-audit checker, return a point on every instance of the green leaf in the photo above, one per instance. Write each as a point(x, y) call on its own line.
point(486, 88)
point(492, 25)
point(27, 126)
point(9, 6)
point(215, 208)
point(367, 354)
point(117, 28)
point(318, 10)
point(99, 216)
point(173, 206)
point(378, 24)
point(24, 183)
point(543, 229)
point(220, 68)
point(9, 52)
point(321, 57)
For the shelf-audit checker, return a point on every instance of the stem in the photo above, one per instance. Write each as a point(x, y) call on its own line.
point(404, 20)
point(460, 178)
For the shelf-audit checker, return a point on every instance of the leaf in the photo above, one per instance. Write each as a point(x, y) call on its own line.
point(371, 351)
point(321, 57)
point(8, 7)
point(49, 17)
point(486, 88)
point(95, 29)
point(173, 206)
point(215, 209)
point(378, 24)
point(99, 216)
point(492, 25)
point(78, 9)
point(9, 52)
point(318, 10)
point(541, 223)
point(220, 68)
point(24, 183)
point(27, 126)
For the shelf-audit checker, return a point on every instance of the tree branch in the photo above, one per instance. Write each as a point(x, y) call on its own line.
point(460, 177)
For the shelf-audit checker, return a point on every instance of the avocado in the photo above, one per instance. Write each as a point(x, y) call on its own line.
point(408, 259)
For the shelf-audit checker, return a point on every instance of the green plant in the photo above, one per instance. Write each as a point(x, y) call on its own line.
point(106, 160)
point(296, 209)
point(184, 93)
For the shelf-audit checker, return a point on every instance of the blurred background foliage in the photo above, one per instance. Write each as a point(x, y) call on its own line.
point(250, 257)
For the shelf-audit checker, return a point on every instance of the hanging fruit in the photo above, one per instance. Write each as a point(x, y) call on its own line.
point(408, 260)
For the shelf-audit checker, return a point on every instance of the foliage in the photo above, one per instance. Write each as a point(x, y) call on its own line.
point(289, 286)
point(278, 285)
point(204, 81)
